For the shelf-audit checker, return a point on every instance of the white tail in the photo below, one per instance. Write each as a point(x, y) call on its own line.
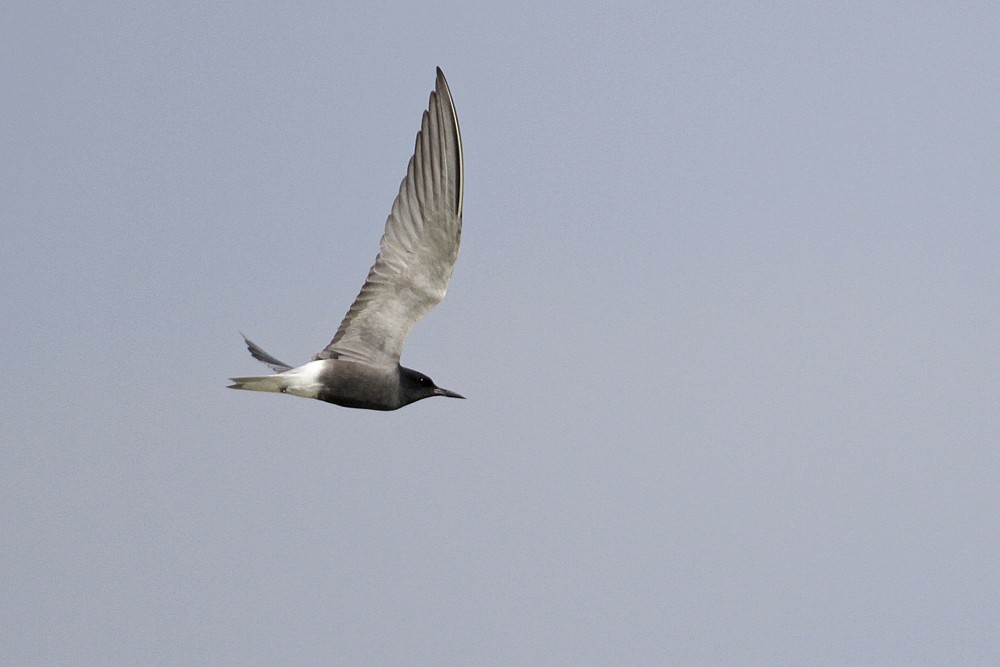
point(276, 383)
point(302, 381)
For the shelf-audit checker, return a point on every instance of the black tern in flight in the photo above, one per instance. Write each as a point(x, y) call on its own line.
point(360, 367)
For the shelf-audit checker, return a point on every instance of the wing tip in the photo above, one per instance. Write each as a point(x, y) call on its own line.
point(263, 357)
point(447, 106)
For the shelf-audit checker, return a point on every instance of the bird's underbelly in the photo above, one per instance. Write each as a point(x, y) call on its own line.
point(354, 402)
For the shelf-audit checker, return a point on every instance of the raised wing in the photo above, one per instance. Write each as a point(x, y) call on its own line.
point(419, 246)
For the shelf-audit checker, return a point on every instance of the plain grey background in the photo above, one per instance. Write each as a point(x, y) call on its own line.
point(726, 312)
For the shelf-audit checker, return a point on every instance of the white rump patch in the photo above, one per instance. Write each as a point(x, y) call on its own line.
point(304, 381)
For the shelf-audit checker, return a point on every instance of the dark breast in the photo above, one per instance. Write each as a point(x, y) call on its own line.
point(353, 385)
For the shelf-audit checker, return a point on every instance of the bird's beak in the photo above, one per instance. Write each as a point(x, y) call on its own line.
point(444, 392)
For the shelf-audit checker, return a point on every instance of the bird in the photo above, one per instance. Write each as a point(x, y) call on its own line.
point(360, 367)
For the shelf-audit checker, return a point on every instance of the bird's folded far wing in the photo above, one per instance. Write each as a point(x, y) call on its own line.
point(263, 357)
point(418, 249)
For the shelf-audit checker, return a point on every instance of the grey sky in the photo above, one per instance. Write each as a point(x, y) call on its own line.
point(726, 313)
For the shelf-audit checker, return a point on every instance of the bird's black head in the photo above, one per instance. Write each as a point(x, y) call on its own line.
point(414, 385)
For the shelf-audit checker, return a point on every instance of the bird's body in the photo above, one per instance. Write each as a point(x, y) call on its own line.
point(348, 383)
point(360, 367)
